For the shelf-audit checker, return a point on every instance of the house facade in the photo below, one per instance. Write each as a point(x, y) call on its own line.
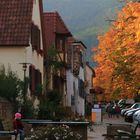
point(21, 43)
point(56, 34)
point(76, 77)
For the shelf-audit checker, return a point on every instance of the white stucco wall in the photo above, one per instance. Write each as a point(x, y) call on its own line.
point(36, 59)
point(89, 74)
point(76, 94)
point(79, 102)
point(69, 83)
point(13, 56)
point(73, 90)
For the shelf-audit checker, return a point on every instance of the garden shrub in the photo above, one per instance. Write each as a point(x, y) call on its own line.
point(61, 132)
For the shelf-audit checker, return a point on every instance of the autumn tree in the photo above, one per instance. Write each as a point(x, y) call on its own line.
point(118, 55)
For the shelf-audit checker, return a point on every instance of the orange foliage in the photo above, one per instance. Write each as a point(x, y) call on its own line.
point(118, 55)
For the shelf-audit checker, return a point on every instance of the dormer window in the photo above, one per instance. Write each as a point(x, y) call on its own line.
point(60, 44)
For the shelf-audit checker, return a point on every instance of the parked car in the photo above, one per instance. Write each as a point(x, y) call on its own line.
point(129, 114)
point(135, 105)
point(136, 116)
point(123, 103)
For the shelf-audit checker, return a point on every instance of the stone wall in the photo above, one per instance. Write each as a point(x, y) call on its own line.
point(6, 113)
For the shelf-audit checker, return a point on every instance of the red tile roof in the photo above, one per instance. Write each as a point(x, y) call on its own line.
point(15, 21)
point(53, 19)
point(53, 25)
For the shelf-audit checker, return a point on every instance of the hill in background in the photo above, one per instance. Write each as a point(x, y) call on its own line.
point(86, 19)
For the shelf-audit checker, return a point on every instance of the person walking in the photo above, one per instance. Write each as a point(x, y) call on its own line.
point(18, 126)
point(109, 109)
point(117, 111)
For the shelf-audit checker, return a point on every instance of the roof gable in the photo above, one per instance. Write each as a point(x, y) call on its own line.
point(15, 22)
point(56, 23)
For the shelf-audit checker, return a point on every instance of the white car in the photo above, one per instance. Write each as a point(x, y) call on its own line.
point(136, 116)
point(136, 105)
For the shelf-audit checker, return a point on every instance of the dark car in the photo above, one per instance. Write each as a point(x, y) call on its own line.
point(129, 115)
point(135, 105)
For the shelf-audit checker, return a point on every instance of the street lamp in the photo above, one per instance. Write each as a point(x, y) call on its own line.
point(24, 66)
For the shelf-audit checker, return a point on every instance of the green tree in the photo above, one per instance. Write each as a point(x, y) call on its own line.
point(10, 86)
point(50, 104)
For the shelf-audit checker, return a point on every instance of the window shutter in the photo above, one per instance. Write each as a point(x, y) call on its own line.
point(32, 78)
point(36, 78)
point(35, 37)
point(30, 74)
point(40, 78)
point(81, 88)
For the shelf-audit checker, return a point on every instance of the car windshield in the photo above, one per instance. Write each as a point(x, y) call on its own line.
point(135, 106)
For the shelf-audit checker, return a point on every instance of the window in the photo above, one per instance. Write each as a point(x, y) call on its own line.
point(60, 45)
